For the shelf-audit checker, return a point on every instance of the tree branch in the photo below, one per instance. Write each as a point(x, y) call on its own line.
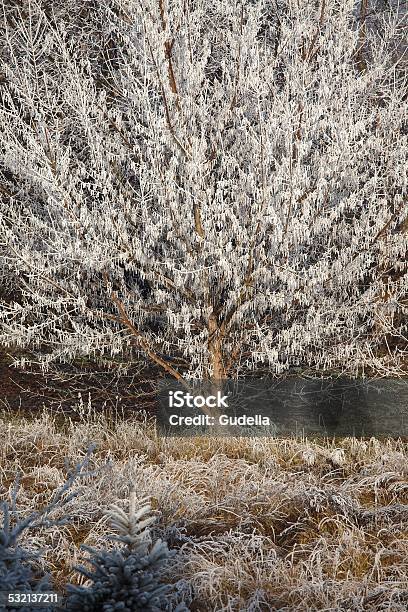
point(143, 343)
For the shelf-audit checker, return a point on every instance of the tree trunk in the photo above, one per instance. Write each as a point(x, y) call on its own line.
point(216, 373)
point(217, 369)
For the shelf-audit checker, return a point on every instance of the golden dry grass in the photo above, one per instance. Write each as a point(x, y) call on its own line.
point(260, 524)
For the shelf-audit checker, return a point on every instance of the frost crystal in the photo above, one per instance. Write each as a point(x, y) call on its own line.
point(220, 186)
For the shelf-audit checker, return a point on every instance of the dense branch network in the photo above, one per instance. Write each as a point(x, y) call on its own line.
point(211, 184)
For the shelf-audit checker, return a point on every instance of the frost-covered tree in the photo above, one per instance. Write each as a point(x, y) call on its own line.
point(218, 186)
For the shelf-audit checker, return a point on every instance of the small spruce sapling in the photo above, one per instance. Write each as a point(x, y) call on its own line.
point(19, 571)
point(17, 574)
point(128, 579)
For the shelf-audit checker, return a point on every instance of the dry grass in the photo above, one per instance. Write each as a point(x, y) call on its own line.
point(261, 524)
